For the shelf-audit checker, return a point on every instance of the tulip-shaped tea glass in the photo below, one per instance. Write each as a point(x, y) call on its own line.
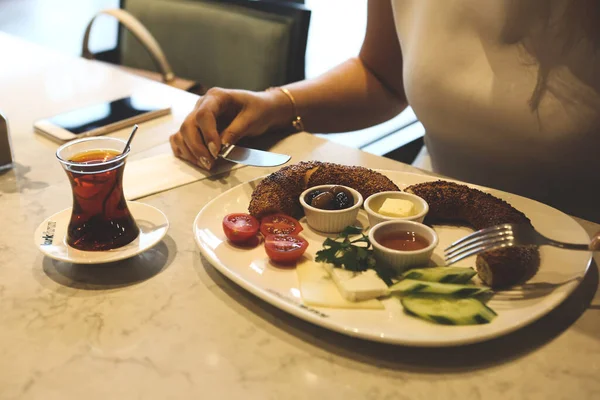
point(100, 219)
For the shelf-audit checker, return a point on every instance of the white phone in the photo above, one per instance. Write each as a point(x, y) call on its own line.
point(100, 119)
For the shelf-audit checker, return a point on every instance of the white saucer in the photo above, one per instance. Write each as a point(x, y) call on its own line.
point(51, 237)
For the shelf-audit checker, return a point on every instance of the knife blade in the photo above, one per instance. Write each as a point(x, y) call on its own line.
point(256, 158)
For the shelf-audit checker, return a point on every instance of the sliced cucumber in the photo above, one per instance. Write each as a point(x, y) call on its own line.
point(411, 286)
point(441, 274)
point(448, 310)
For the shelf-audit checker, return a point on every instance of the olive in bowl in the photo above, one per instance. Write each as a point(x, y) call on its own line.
point(330, 198)
point(330, 208)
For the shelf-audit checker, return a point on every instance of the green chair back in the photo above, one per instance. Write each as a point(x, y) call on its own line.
point(233, 43)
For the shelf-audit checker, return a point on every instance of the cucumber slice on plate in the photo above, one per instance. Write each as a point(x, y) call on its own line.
point(411, 286)
point(441, 274)
point(448, 310)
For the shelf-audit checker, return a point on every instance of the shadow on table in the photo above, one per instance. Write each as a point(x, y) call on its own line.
point(112, 275)
point(17, 180)
point(442, 360)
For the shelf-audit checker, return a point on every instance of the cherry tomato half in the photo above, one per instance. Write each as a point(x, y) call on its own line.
point(280, 224)
point(285, 248)
point(240, 227)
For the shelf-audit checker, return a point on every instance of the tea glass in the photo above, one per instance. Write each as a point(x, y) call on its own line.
point(100, 219)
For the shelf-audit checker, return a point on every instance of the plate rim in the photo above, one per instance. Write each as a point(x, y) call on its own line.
point(125, 256)
point(292, 307)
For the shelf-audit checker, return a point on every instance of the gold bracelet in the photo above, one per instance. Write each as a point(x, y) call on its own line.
point(297, 121)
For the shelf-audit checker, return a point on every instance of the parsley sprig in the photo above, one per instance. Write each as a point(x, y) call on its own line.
point(353, 255)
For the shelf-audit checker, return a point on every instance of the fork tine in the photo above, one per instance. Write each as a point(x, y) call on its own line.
point(478, 250)
point(479, 233)
point(478, 241)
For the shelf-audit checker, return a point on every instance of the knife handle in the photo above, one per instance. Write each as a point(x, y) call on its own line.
point(225, 150)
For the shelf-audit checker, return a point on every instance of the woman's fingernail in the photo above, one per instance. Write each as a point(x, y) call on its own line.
point(213, 149)
point(205, 163)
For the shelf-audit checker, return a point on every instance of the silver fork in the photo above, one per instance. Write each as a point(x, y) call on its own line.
point(507, 235)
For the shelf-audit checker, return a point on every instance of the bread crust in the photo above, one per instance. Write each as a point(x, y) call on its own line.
point(279, 192)
point(451, 202)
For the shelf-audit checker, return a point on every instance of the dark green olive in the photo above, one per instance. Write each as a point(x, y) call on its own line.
point(324, 201)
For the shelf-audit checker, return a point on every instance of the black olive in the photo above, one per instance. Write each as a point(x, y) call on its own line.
point(324, 201)
point(343, 201)
point(311, 195)
point(340, 189)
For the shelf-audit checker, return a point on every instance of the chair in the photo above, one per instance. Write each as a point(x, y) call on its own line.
point(243, 44)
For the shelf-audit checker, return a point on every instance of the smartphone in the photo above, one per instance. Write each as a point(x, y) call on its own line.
point(100, 119)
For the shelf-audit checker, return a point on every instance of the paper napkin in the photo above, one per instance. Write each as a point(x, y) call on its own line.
point(161, 172)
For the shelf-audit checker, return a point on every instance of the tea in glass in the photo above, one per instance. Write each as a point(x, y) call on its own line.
point(100, 219)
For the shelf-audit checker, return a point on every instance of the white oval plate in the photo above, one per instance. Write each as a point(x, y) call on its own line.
point(559, 274)
point(51, 236)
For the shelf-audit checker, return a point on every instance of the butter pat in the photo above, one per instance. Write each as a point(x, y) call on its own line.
point(357, 286)
point(397, 208)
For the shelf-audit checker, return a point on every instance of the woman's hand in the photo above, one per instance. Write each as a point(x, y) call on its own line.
point(224, 116)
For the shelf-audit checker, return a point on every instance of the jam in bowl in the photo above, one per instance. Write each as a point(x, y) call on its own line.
point(403, 241)
point(401, 245)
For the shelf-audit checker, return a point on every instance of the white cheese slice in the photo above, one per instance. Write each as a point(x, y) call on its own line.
point(357, 286)
point(397, 208)
point(318, 289)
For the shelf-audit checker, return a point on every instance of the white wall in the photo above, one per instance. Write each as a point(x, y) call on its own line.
point(337, 29)
point(58, 24)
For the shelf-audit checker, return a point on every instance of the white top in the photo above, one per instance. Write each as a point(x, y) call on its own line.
point(470, 76)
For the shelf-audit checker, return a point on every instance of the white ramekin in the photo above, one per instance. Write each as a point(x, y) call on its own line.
point(331, 221)
point(399, 260)
point(375, 201)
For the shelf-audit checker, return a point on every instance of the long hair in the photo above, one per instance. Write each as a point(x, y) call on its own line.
point(551, 31)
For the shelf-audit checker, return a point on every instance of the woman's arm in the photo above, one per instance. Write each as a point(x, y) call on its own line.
point(359, 93)
point(362, 91)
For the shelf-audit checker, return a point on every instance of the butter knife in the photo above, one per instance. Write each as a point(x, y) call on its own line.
point(257, 158)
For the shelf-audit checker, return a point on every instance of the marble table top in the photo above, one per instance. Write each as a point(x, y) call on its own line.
point(167, 325)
